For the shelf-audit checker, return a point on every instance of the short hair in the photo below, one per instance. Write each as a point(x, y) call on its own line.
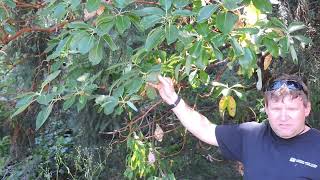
point(279, 94)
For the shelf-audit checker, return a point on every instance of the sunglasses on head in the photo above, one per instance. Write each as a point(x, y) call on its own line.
point(290, 84)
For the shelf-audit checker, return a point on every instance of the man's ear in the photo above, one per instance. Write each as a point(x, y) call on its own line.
point(307, 109)
point(266, 109)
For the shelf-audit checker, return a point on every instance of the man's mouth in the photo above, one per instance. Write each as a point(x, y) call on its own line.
point(284, 126)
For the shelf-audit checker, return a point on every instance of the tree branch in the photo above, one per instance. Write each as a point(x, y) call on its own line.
point(22, 31)
point(28, 5)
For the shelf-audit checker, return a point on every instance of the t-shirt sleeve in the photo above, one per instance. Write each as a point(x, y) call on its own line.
point(230, 140)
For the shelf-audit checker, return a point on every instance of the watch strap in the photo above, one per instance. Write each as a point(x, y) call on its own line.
point(175, 104)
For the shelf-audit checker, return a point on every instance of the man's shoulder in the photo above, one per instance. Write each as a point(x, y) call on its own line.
point(315, 133)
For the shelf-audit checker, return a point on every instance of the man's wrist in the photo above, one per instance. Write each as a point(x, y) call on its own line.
point(175, 104)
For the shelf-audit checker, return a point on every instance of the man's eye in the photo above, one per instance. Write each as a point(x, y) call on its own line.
point(292, 109)
point(276, 109)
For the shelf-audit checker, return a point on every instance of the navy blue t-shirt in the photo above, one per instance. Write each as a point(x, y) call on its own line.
point(266, 156)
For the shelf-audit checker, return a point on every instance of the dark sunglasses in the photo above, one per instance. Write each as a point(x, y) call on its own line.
point(291, 85)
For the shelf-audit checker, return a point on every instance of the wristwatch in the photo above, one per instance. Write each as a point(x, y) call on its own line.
point(175, 104)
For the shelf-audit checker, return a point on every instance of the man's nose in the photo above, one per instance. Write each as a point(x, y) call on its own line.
point(284, 115)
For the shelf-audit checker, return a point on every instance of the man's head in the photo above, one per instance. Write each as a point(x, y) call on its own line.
point(287, 105)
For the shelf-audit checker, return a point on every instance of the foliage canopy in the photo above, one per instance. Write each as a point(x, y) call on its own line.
point(103, 52)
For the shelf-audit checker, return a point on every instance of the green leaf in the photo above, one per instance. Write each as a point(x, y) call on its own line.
point(218, 54)
point(83, 78)
point(101, 99)
point(180, 3)
point(109, 105)
point(135, 98)
point(60, 11)
point(3, 14)
point(188, 65)
point(231, 4)
point(182, 12)
point(166, 4)
point(122, 23)
point(104, 26)
point(96, 54)
point(23, 104)
point(69, 102)
point(82, 102)
point(122, 3)
point(206, 12)
point(236, 47)
point(204, 77)
point(226, 21)
point(152, 77)
point(82, 42)
point(303, 39)
point(294, 54)
point(136, 22)
point(75, 4)
point(61, 46)
point(110, 42)
point(277, 22)
point(86, 43)
point(78, 25)
point(196, 49)
point(9, 28)
point(186, 37)
point(177, 71)
point(49, 78)
point(134, 85)
point(83, 99)
point(171, 33)
point(218, 40)
point(272, 47)
point(295, 26)
point(45, 99)
point(149, 11)
point(43, 116)
point(248, 30)
point(130, 104)
point(192, 76)
point(10, 3)
point(25, 100)
point(118, 92)
point(263, 5)
point(93, 5)
point(155, 37)
point(284, 44)
point(203, 29)
point(247, 60)
point(150, 21)
point(151, 92)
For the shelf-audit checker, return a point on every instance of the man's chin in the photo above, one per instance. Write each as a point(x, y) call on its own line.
point(285, 135)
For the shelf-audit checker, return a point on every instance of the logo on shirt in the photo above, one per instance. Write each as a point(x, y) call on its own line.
point(295, 160)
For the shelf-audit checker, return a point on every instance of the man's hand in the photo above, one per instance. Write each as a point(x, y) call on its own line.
point(196, 123)
point(166, 89)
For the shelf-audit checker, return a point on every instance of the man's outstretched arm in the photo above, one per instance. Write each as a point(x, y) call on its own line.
point(196, 123)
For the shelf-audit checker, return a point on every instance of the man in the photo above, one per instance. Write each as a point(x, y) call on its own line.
point(283, 148)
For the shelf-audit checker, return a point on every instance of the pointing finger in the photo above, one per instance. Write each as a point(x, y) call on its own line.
point(153, 85)
point(162, 79)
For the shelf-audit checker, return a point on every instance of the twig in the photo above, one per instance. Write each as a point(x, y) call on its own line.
point(55, 28)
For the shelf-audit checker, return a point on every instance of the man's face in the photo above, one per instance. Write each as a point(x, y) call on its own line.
point(287, 116)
